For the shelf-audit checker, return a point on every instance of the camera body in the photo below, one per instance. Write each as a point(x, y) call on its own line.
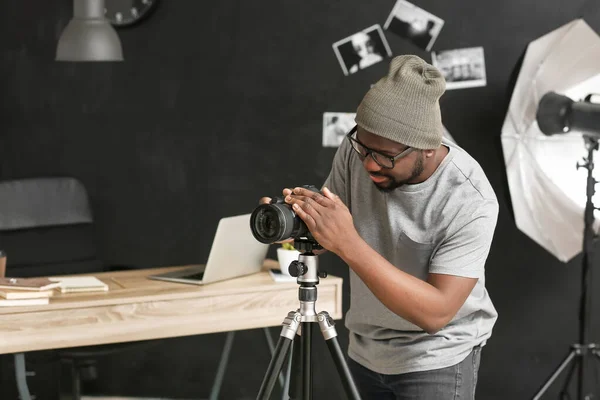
point(276, 221)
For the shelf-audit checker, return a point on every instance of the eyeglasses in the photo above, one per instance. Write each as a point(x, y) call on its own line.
point(381, 159)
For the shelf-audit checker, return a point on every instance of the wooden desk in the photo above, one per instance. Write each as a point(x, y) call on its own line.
point(136, 308)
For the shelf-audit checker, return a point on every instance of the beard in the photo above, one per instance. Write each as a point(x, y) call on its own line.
point(393, 183)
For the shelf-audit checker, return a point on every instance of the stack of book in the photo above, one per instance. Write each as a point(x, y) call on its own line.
point(78, 284)
point(26, 291)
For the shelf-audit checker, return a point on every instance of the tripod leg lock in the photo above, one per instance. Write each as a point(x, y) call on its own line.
point(327, 325)
point(583, 349)
point(291, 323)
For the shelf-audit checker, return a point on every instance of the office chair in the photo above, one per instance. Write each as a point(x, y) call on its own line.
point(47, 228)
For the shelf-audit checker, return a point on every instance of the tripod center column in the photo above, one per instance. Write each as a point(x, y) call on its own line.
point(308, 297)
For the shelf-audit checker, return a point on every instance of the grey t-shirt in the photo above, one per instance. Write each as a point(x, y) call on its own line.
point(444, 225)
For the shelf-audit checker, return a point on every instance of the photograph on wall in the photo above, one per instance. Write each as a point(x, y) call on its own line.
point(462, 68)
point(335, 127)
point(414, 24)
point(362, 49)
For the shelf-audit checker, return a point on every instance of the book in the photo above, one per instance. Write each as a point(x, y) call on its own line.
point(23, 302)
point(27, 284)
point(73, 284)
point(25, 294)
point(279, 276)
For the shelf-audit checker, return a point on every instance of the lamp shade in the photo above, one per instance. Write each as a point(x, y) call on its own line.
point(547, 190)
point(89, 36)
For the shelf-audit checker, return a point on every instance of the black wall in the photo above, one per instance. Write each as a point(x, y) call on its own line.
point(219, 103)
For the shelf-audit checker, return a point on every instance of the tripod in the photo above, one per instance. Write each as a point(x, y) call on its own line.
point(297, 328)
point(580, 351)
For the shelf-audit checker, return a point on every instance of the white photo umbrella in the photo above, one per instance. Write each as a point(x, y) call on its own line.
point(548, 192)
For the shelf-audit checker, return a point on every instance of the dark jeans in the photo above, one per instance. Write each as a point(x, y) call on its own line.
point(451, 383)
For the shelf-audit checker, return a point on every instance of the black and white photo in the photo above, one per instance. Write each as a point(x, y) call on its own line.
point(362, 49)
point(414, 24)
point(335, 127)
point(462, 68)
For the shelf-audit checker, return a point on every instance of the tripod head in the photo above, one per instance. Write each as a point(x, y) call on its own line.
point(306, 246)
point(306, 268)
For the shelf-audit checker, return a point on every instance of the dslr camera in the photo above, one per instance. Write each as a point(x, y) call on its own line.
point(276, 221)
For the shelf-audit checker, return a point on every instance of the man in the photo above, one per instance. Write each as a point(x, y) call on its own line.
point(413, 216)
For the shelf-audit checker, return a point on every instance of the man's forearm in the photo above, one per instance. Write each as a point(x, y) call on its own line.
point(407, 296)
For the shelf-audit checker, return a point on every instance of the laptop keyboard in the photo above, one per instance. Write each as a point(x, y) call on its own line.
point(197, 276)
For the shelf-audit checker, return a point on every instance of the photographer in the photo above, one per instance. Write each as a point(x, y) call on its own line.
point(413, 216)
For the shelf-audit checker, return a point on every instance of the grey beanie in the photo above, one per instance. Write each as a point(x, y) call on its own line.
point(403, 106)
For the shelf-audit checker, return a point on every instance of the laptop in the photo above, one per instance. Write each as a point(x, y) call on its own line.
point(235, 252)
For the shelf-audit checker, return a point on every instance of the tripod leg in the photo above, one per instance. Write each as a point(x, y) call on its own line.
point(555, 375)
point(286, 386)
point(307, 361)
point(290, 326)
point(295, 391)
point(271, 349)
point(329, 333)
point(564, 393)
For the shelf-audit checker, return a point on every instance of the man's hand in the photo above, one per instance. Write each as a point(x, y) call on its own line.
point(326, 216)
point(267, 200)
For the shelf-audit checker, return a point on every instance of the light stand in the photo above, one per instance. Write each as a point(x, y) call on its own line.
point(580, 351)
point(307, 272)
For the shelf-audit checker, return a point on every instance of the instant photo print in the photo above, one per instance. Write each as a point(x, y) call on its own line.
point(414, 24)
point(362, 49)
point(462, 68)
point(335, 127)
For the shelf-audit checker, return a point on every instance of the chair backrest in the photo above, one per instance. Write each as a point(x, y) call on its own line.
point(47, 227)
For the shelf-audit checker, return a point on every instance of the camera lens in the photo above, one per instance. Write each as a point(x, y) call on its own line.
point(271, 223)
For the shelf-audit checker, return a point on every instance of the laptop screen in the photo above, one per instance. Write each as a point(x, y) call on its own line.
point(235, 251)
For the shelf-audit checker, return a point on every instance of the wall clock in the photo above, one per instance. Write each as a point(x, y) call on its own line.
point(123, 13)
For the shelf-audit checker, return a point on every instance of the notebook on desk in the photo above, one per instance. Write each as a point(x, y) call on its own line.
point(234, 253)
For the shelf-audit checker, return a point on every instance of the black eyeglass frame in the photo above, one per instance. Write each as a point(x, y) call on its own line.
point(393, 159)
